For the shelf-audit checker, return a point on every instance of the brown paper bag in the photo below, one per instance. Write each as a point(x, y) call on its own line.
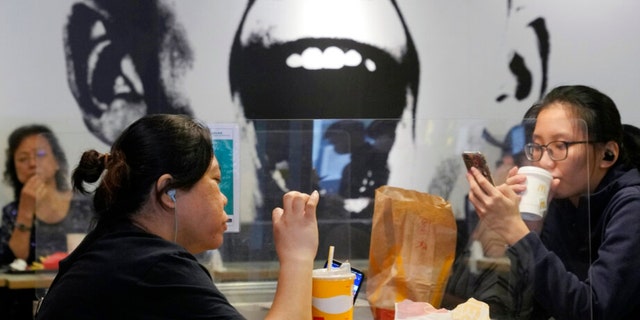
point(413, 242)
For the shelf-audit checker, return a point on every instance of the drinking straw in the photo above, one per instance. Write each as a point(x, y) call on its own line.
point(330, 259)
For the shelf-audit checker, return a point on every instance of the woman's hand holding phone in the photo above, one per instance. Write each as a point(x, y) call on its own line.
point(477, 160)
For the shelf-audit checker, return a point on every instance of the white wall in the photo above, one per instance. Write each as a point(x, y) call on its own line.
point(462, 44)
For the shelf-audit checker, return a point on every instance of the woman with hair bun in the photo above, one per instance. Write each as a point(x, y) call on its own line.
point(158, 202)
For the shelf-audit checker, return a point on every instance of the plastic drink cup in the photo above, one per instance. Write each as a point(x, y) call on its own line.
point(331, 294)
point(533, 202)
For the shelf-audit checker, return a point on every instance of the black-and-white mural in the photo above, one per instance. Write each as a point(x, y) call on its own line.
point(295, 61)
point(408, 84)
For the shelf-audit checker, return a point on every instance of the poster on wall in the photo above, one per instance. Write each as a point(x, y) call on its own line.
point(226, 148)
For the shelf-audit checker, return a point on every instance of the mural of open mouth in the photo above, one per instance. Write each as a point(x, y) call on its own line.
point(323, 60)
point(318, 79)
point(296, 61)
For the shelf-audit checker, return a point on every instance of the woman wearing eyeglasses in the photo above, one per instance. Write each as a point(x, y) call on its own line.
point(583, 263)
point(43, 211)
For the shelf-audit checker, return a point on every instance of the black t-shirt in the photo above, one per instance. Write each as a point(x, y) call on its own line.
point(125, 273)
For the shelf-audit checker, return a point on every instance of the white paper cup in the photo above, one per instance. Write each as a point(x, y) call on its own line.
point(73, 240)
point(533, 204)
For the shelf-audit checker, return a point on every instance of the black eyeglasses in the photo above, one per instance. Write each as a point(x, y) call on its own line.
point(557, 150)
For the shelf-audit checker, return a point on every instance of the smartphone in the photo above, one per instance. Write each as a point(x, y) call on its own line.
point(477, 159)
point(357, 282)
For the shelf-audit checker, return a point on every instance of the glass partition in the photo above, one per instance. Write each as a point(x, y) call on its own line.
point(426, 156)
point(518, 281)
point(346, 160)
point(62, 218)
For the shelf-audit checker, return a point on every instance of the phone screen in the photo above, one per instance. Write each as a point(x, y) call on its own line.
point(477, 159)
point(357, 282)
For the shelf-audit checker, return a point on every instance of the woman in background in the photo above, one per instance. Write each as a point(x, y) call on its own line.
point(159, 203)
point(44, 209)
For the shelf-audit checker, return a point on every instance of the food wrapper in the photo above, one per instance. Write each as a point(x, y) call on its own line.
point(472, 309)
point(413, 243)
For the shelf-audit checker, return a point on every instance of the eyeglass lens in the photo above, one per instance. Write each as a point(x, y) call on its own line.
point(557, 150)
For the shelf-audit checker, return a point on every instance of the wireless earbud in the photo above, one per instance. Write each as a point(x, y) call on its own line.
point(172, 194)
point(608, 156)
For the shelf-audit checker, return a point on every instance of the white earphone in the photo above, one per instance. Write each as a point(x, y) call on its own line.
point(172, 194)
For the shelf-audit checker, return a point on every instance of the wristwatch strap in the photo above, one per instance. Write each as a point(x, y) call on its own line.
point(23, 227)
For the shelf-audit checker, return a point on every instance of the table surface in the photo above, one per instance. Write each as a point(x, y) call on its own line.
point(233, 272)
point(37, 280)
point(234, 281)
point(251, 310)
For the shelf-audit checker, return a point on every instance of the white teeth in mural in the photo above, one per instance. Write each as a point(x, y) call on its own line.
point(352, 58)
point(330, 58)
point(370, 65)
